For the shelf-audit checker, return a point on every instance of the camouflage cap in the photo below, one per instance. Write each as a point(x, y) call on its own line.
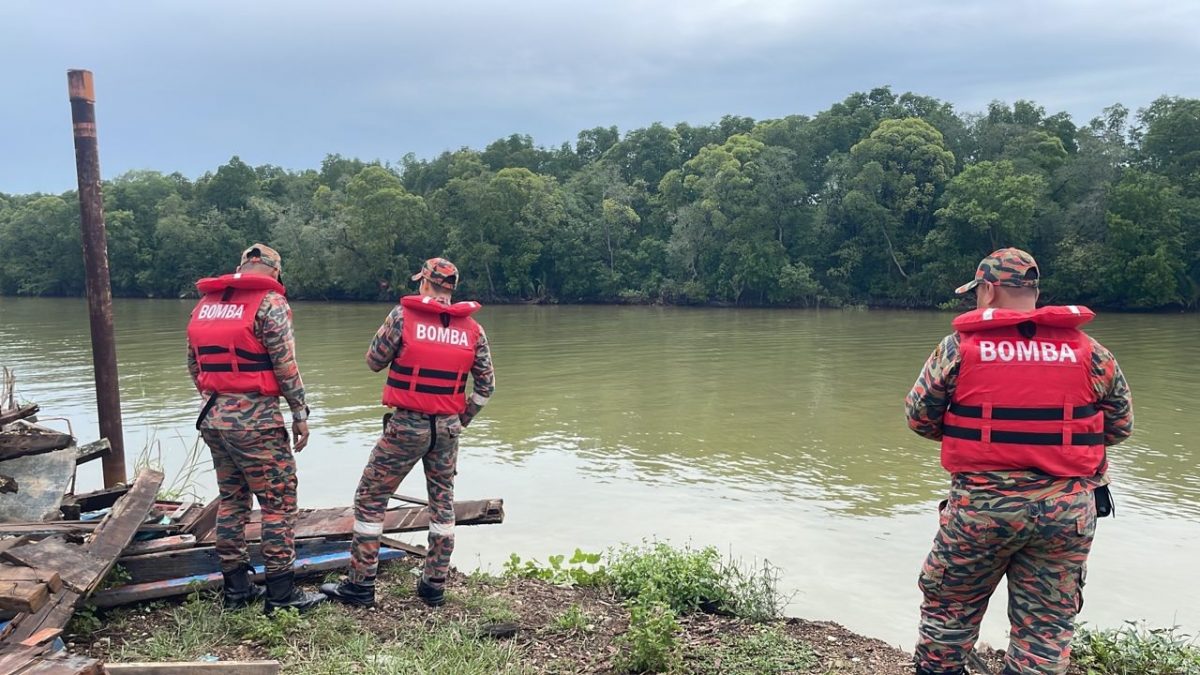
point(261, 253)
point(439, 272)
point(1006, 267)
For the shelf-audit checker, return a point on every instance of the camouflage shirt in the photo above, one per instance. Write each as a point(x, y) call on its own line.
point(273, 327)
point(931, 395)
point(386, 345)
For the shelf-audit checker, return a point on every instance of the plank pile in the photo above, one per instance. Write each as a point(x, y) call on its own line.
point(49, 566)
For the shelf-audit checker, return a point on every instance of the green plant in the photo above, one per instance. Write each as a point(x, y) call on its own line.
point(572, 620)
point(651, 643)
point(1135, 650)
point(583, 569)
point(766, 650)
point(752, 591)
point(84, 621)
point(684, 579)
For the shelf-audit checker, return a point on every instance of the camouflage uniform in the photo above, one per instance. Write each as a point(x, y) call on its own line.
point(1034, 528)
point(251, 452)
point(410, 437)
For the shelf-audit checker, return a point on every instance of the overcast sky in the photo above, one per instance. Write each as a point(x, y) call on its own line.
point(182, 86)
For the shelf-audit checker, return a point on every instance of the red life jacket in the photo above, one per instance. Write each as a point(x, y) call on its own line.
point(437, 350)
point(221, 333)
point(1024, 403)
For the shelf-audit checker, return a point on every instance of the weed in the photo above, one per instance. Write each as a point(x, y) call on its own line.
point(1135, 650)
point(572, 620)
point(766, 650)
point(84, 621)
point(583, 569)
point(651, 644)
point(683, 579)
point(752, 591)
point(490, 608)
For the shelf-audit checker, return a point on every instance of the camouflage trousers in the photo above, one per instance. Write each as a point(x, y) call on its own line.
point(1041, 546)
point(408, 438)
point(255, 462)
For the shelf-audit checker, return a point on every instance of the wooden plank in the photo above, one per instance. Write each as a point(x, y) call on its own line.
point(6, 544)
point(338, 523)
point(78, 566)
point(93, 450)
point(23, 596)
point(65, 664)
point(217, 668)
point(13, 445)
point(162, 544)
point(205, 524)
point(166, 588)
point(48, 577)
point(411, 549)
point(10, 416)
point(203, 560)
point(411, 500)
point(94, 501)
point(111, 536)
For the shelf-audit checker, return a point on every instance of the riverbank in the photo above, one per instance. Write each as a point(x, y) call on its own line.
point(529, 622)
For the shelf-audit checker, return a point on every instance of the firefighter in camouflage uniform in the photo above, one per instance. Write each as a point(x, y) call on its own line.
point(429, 345)
point(1024, 404)
point(242, 358)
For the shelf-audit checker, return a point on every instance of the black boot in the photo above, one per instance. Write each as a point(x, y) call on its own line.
point(239, 589)
point(430, 595)
point(350, 593)
point(925, 671)
point(282, 594)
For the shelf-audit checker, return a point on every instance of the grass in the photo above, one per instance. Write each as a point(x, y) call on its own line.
point(1135, 650)
point(573, 620)
point(323, 641)
point(764, 650)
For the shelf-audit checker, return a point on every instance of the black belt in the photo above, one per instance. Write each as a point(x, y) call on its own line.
point(1023, 437)
point(1024, 414)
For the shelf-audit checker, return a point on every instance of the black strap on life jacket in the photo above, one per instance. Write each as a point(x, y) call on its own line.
point(246, 362)
point(406, 379)
point(1023, 437)
point(1023, 414)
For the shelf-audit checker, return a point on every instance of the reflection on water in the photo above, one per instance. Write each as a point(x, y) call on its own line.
point(779, 433)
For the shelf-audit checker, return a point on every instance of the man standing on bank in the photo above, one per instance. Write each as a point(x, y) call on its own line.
point(1024, 404)
point(429, 345)
point(242, 358)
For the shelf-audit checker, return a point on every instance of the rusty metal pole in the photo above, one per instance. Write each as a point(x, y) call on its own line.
point(95, 259)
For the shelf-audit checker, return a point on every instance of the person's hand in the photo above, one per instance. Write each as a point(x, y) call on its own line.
point(299, 436)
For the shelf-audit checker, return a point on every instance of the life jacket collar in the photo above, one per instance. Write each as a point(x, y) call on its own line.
point(1057, 316)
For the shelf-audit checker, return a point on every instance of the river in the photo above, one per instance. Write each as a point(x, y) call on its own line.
point(774, 434)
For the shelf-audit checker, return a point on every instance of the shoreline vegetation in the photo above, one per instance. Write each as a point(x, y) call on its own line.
point(648, 608)
point(881, 200)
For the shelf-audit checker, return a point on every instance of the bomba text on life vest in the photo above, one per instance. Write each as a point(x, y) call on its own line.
point(1010, 350)
point(221, 311)
point(450, 336)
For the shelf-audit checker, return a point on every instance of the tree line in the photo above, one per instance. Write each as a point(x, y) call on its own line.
point(883, 200)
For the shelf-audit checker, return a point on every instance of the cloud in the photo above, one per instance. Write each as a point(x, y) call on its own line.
point(182, 86)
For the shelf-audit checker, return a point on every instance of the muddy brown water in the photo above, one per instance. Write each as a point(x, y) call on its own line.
point(772, 434)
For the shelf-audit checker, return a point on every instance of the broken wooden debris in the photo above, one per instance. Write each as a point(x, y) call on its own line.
point(25, 589)
point(30, 440)
point(172, 543)
point(166, 588)
point(91, 501)
point(108, 540)
point(411, 549)
point(339, 522)
point(37, 654)
point(93, 450)
point(24, 412)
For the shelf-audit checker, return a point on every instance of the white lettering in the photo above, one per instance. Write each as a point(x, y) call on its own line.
point(1024, 351)
point(450, 336)
point(1006, 350)
point(221, 311)
point(987, 350)
point(1049, 351)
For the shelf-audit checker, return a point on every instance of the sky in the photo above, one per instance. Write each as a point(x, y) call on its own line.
point(183, 86)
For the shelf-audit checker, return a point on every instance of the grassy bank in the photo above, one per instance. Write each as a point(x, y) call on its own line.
point(651, 608)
